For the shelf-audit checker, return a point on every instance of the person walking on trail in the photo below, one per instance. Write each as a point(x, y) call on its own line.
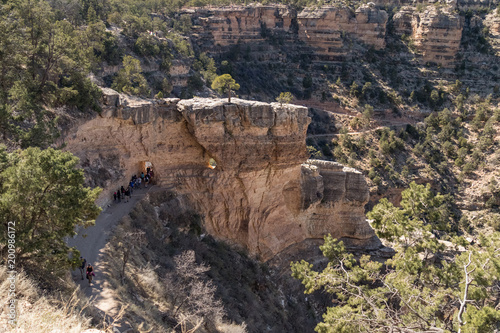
point(118, 195)
point(138, 181)
point(127, 194)
point(82, 266)
point(122, 190)
point(90, 272)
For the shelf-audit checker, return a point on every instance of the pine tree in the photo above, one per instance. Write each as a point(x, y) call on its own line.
point(424, 287)
point(224, 84)
point(42, 192)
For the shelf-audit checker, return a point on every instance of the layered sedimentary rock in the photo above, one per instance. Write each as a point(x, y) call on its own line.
point(262, 194)
point(492, 21)
point(403, 21)
point(436, 33)
point(324, 29)
point(228, 25)
point(327, 30)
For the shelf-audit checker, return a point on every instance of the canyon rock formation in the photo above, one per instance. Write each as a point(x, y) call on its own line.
point(437, 35)
point(263, 192)
point(492, 22)
point(324, 29)
point(436, 32)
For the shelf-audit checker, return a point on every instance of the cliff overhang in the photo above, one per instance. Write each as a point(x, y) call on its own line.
point(263, 193)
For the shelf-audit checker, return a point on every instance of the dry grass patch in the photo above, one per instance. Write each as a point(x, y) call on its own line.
point(43, 313)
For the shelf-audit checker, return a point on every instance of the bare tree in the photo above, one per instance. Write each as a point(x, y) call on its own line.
point(128, 242)
point(193, 295)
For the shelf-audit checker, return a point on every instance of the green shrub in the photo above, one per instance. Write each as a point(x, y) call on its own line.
point(129, 79)
point(307, 82)
point(354, 89)
point(81, 92)
point(146, 45)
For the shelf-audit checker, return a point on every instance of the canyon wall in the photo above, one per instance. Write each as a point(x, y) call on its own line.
point(323, 29)
point(492, 22)
point(435, 33)
point(263, 193)
point(328, 30)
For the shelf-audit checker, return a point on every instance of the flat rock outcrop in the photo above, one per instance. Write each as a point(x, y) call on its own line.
point(263, 192)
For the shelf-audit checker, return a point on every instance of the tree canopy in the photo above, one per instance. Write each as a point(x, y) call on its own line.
point(426, 286)
point(43, 192)
point(224, 84)
point(44, 63)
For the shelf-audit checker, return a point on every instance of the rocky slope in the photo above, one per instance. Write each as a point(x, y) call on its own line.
point(262, 194)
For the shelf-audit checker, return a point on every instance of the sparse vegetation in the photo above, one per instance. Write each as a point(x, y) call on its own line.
point(284, 98)
point(182, 276)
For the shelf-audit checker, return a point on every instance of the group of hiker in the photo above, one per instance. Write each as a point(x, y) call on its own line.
point(135, 183)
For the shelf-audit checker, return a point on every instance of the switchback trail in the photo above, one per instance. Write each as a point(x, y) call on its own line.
point(91, 242)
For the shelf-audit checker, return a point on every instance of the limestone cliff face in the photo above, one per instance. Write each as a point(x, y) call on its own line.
point(493, 23)
point(262, 194)
point(327, 30)
point(321, 28)
point(228, 25)
point(436, 34)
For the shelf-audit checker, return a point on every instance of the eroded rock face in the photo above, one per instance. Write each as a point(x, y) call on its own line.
point(262, 194)
point(228, 25)
point(320, 28)
point(436, 33)
point(492, 21)
point(324, 28)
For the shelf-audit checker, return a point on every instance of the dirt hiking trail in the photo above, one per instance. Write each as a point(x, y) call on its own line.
point(91, 242)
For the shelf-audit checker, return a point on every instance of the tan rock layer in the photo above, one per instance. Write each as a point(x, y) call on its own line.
point(322, 28)
point(262, 194)
point(436, 32)
point(492, 21)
